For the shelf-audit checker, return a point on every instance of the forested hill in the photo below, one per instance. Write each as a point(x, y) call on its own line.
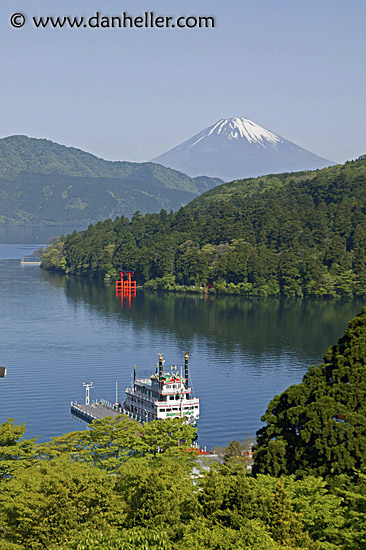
point(42, 182)
point(305, 236)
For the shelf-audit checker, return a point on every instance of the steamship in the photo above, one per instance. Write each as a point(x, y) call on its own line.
point(163, 395)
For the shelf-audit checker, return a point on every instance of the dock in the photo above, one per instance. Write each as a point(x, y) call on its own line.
point(94, 411)
point(29, 262)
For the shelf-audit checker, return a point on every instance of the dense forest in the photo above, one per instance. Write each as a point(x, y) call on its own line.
point(301, 234)
point(42, 182)
point(108, 488)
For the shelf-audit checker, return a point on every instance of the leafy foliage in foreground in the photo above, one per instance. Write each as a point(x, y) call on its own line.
point(15, 451)
point(305, 236)
point(111, 442)
point(151, 501)
point(73, 496)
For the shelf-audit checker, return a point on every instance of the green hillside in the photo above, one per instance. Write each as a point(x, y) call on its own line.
point(305, 238)
point(42, 182)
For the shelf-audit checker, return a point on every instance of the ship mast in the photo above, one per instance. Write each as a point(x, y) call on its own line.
point(186, 357)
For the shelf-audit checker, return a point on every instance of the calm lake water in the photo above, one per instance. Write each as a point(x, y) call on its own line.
point(58, 332)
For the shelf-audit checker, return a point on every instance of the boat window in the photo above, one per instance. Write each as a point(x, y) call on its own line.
point(171, 397)
point(162, 410)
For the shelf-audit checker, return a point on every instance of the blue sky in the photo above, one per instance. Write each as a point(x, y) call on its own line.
point(297, 67)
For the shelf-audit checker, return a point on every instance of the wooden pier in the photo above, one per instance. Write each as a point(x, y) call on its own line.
point(94, 411)
point(29, 262)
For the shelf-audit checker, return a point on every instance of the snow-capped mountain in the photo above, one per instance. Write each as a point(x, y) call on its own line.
point(235, 148)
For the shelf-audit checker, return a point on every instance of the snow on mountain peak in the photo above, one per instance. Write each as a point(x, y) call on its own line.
point(237, 148)
point(235, 128)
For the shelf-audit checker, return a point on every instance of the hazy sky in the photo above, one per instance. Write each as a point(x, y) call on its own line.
point(297, 67)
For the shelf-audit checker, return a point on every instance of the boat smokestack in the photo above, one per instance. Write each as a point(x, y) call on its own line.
point(134, 373)
point(156, 368)
point(160, 366)
point(186, 356)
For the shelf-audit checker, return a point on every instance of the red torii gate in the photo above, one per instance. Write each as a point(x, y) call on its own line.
point(126, 287)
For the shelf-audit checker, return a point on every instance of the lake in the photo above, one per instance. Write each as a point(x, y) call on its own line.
point(58, 332)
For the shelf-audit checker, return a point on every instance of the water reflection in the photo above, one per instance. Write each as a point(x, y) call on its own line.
point(58, 332)
point(255, 325)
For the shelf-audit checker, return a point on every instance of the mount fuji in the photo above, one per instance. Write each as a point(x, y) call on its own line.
point(236, 148)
